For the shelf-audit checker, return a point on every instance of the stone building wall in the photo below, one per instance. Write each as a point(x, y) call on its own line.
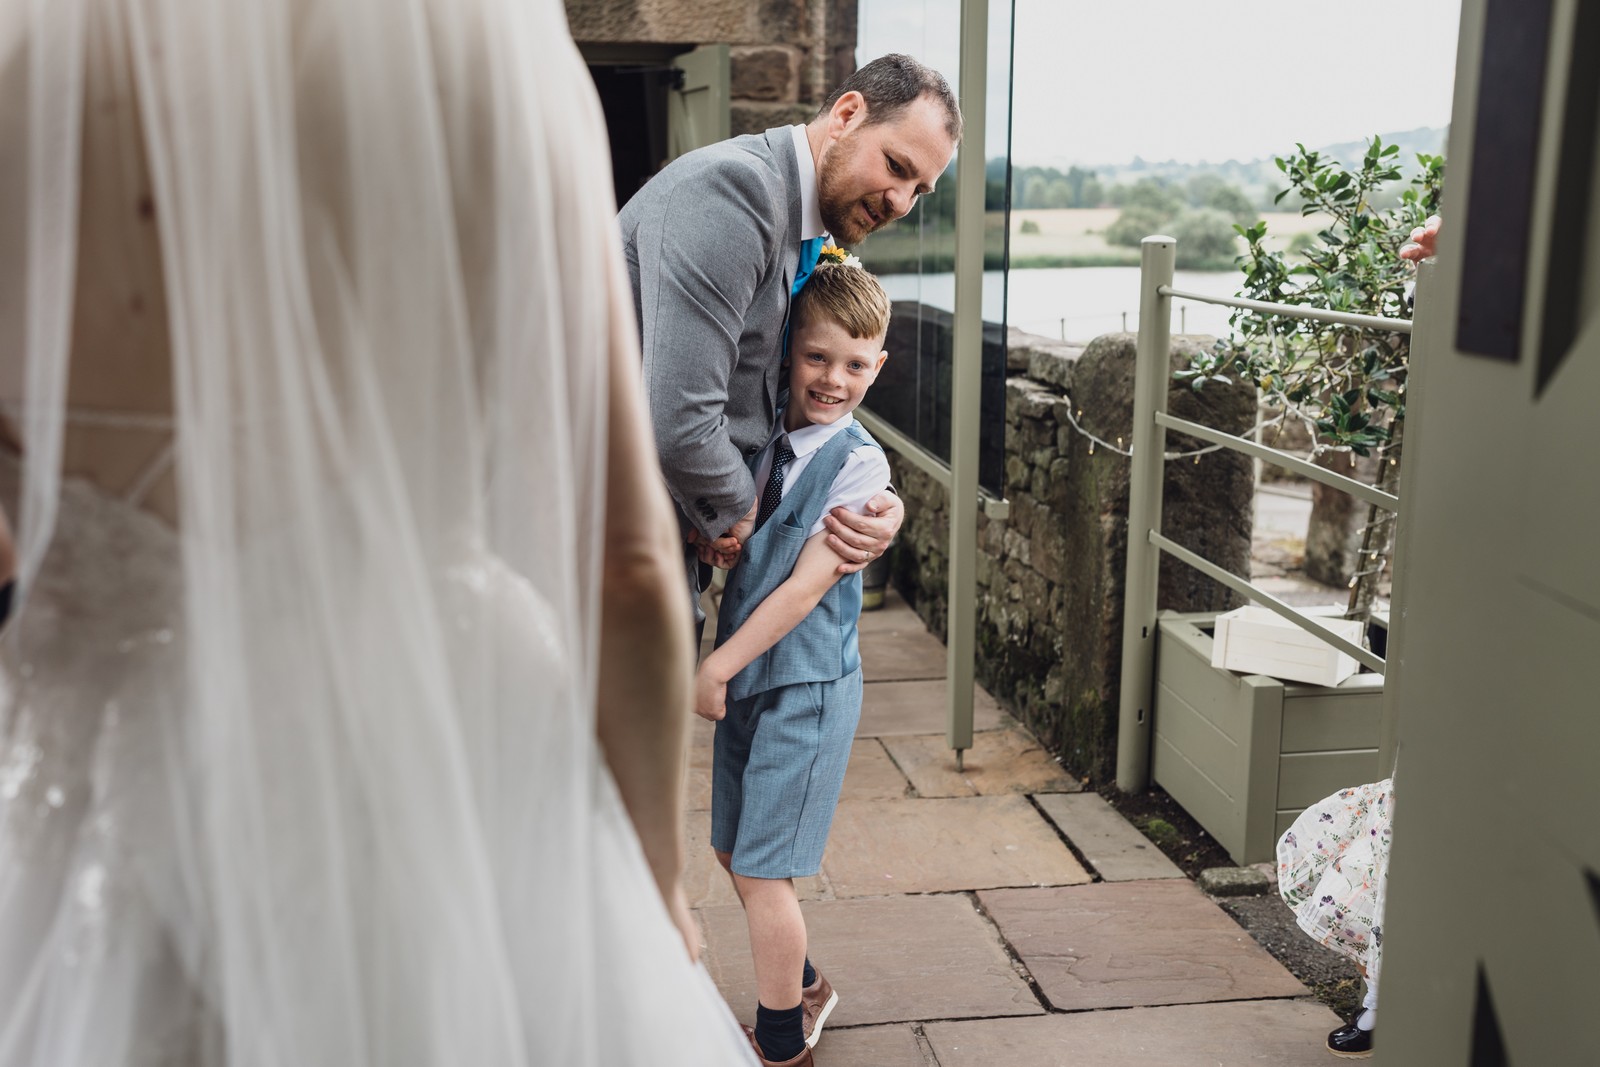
point(1050, 578)
point(785, 56)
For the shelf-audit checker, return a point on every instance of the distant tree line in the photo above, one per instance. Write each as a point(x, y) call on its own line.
point(1047, 187)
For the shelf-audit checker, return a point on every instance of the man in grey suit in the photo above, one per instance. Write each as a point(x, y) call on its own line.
point(716, 245)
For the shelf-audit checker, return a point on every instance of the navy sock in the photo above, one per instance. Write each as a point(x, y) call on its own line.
point(809, 976)
point(781, 1034)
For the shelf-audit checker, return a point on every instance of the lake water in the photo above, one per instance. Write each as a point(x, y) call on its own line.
point(1076, 303)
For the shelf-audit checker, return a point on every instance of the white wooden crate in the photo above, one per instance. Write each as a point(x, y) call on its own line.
point(1255, 640)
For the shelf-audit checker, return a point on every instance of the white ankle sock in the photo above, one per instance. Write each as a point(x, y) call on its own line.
point(1368, 1020)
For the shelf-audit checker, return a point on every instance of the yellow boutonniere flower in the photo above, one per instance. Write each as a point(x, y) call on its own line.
point(841, 256)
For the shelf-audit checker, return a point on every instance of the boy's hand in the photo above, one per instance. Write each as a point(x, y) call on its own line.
point(860, 539)
point(723, 552)
point(713, 555)
point(710, 695)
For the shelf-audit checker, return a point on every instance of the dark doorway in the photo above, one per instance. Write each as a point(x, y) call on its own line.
point(634, 96)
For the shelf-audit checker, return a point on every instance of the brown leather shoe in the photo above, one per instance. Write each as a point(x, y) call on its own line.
point(817, 1001)
point(802, 1060)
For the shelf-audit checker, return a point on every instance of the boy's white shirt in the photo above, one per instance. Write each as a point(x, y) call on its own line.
point(864, 475)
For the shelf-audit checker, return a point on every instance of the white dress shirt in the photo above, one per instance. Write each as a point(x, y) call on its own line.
point(810, 210)
point(864, 475)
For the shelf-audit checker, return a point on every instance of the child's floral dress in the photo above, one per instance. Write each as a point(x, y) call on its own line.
point(1333, 866)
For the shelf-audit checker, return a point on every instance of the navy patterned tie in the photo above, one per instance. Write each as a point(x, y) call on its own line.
point(772, 495)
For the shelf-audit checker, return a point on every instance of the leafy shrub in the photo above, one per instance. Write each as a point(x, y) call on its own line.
point(1205, 238)
point(1135, 224)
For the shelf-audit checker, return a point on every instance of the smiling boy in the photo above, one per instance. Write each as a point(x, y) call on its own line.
point(784, 681)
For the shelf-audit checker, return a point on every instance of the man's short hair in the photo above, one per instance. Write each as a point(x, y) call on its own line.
point(850, 296)
point(890, 83)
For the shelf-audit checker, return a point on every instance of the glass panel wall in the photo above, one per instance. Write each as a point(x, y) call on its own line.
point(915, 257)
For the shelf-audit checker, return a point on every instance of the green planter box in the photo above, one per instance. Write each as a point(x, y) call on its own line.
point(1245, 754)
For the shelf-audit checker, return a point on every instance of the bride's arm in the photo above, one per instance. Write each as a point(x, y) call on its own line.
point(646, 662)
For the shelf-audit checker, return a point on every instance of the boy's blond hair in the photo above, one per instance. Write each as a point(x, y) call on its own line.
point(850, 296)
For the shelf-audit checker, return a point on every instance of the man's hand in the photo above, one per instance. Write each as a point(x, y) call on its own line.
point(1423, 242)
point(733, 541)
point(859, 539)
point(710, 694)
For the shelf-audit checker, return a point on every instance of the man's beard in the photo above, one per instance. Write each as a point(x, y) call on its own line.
point(841, 215)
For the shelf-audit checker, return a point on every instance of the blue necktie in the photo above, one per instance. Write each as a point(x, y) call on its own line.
point(810, 252)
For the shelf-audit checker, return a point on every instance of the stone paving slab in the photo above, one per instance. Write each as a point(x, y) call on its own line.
point(895, 616)
point(872, 774)
point(1274, 1033)
point(697, 789)
point(903, 654)
point(893, 959)
point(1133, 944)
point(944, 845)
point(701, 734)
point(697, 770)
point(706, 884)
point(869, 1046)
point(1113, 846)
point(892, 708)
point(999, 762)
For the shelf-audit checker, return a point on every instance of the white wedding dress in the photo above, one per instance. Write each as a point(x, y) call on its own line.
point(312, 778)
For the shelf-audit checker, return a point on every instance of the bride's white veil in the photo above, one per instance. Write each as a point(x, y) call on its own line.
point(389, 259)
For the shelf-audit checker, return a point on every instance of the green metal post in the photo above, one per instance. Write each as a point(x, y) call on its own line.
point(967, 376)
point(1153, 374)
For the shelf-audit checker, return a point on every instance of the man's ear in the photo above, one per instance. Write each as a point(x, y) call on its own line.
point(848, 112)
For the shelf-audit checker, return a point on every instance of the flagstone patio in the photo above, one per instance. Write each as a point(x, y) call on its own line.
point(998, 916)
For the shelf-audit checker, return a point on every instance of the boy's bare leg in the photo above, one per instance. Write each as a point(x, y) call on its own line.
point(726, 859)
point(777, 938)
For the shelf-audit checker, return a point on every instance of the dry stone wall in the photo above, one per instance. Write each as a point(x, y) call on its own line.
point(1050, 577)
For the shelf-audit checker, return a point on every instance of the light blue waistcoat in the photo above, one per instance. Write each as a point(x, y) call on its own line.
point(823, 645)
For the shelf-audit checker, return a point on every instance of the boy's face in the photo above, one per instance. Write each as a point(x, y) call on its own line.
point(829, 372)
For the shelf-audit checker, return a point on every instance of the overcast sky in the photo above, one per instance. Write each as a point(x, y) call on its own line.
point(1101, 82)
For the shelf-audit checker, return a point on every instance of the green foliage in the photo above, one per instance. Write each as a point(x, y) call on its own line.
point(1205, 237)
point(1347, 383)
point(1208, 189)
point(1199, 214)
point(1047, 187)
point(939, 209)
point(1155, 194)
point(1028, 226)
point(1234, 203)
point(1136, 222)
point(1161, 832)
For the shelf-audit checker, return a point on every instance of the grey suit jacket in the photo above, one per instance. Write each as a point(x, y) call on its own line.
point(712, 244)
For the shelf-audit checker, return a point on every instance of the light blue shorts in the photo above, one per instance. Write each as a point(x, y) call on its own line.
point(778, 767)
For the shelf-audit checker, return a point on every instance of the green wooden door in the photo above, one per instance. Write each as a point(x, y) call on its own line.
point(697, 109)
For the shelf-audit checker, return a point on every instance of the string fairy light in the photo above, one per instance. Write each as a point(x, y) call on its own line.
point(1074, 414)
